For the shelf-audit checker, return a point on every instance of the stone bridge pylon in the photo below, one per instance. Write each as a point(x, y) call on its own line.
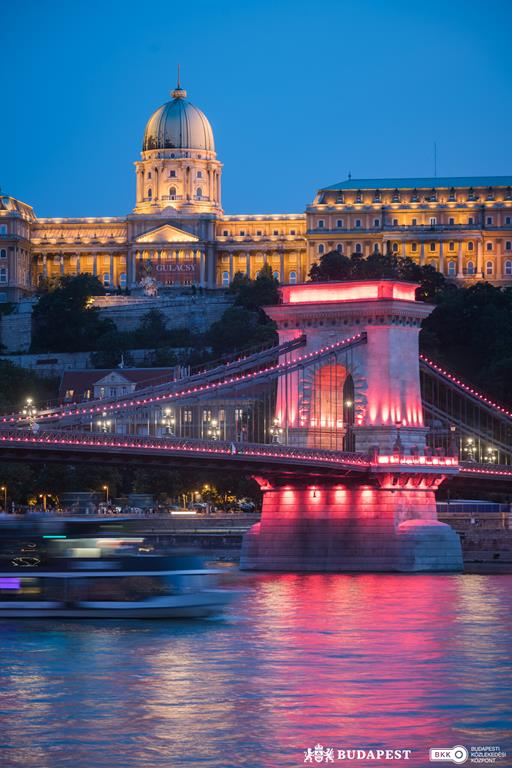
point(365, 399)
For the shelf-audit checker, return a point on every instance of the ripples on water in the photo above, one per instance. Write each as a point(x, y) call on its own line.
point(347, 661)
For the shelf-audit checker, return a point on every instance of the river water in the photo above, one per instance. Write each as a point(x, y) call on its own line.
point(364, 661)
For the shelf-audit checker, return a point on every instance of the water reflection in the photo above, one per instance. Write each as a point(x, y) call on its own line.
point(347, 661)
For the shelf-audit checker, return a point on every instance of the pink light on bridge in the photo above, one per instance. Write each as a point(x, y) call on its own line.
point(371, 290)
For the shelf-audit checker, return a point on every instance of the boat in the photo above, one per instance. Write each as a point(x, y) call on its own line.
point(71, 568)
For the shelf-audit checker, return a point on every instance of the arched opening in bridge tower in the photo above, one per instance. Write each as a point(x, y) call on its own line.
point(328, 414)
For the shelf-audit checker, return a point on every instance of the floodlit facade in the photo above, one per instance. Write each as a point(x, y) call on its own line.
point(179, 235)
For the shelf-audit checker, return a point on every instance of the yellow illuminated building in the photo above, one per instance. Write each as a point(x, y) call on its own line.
point(179, 235)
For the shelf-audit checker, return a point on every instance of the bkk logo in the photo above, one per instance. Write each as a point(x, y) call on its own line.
point(320, 754)
point(457, 755)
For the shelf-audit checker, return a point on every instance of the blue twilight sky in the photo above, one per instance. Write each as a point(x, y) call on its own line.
point(298, 94)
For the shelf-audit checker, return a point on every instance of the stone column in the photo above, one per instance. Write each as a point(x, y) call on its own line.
point(460, 269)
point(95, 263)
point(422, 253)
point(45, 265)
point(77, 267)
point(111, 270)
point(248, 264)
point(281, 267)
point(202, 268)
point(441, 258)
point(479, 258)
point(230, 267)
point(211, 267)
point(139, 185)
point(61, 264)
point(403, 249)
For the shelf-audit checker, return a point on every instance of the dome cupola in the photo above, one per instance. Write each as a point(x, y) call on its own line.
point(178, 124)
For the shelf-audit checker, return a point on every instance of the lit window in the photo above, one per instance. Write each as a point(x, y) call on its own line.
point(172, 192)
point(187, 416)
point(470, 246)
point(489, 268)
point(199, 192)
point(207, 414)
point(508, 267)
point(358, 222)
point(321, 223)
point(69, 394)
point(488, 246)
point(225, 278)
point(3, 253)
point(432, 246)
point(106, 279)
point(122, 280)
point(321, 248)
point(452, 268)
point(359, 248)
point(470, 268)
point(292, 277)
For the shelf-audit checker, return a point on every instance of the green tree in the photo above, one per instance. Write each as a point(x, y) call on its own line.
point(17, 384)
point(253, 294)
point(63, 318)
point(239, 328)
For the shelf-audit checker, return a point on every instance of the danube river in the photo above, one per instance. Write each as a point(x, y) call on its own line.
point(348, 662)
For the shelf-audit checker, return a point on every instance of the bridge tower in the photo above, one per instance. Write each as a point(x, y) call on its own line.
point(370, 403)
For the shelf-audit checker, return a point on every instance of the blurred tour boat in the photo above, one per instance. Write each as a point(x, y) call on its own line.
point(71, 568)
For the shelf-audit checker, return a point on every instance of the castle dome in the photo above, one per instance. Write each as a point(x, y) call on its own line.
point(178, 124)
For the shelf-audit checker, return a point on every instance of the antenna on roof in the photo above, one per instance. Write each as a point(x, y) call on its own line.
point(349, 175)
point(435, 158)
point(178, 86)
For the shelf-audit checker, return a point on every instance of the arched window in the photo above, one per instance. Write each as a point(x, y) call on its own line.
point(359, 248)
point(275, 275)
point(150, 193)
point(489, 268)
point(199, 192)
point(3, 274)
point(508, 268)
point(339, 247)
point(225, 278)
point(122, 280)
point(321, 248)
point(395, 247)
point(172, 192)
point(3, 254)
point(470, 269)
point(470, 246)
point(106, 279)
point(452, 268)
point(293, 277)
point(432, 246)
point(375, 247)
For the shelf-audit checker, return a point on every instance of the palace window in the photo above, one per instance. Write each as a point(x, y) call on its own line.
point(490, 194)
point(451, 197)
point(321, 223)
point(275, 275)
point(339, 247)
point(470, 246)
point(396, 196)
point(508, 220)
point(172, 174)
point(414, 222)
point(488, 246)
point(339, 223)
point(395, 247)
point(276, 232)
point(225, 278)
point(451, 221)
point(292, 277)
point(207, 414)
point(489, 268)
point(432, 246)
point(259, 233)
point(452, 268)
point(508, 245)
point(3, 253)
point(414, 196)
point(321, 248)
point(172, 192)
point(471, 221)
point(359, 248)
point(433, 221)
point(187, 416)
point(199, 175)
point(359, 197)
point(358, 222)
point(3, 229)
point(376, 222)
point(242, 233)
point(122, 280)
point(470, 269)
point(471, 194)
point(375, 247)
point(106, 279)
point(489, 221)
point(508, 267)
point(225, 233)
point(3, 274)
point(292, 232)
point(199, 192)
point(150, 193)
point(414, 246)
point(340, 199)
point(377, 197)
point(395, 222)
point(149, 175)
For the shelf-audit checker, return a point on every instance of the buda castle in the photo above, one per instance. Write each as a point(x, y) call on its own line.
point(178, 234)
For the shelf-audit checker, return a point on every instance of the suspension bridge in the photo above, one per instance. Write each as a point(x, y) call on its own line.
point(347, 429)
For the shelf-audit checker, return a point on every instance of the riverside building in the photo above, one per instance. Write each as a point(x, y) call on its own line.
point(178, 233)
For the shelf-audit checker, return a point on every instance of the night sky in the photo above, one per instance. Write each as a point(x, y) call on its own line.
point(298, 94)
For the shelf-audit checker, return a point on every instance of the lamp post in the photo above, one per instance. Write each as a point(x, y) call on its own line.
point(453, 443)
point(104, 424)
point(276, 431)
point(169, 422)
point(348, 421)
point(29, 411)
point(470, 449)
point(44, 497)
point(213, 430)
point(4, 489)
point(105, 488)
point(398, 447)
point(490, 455)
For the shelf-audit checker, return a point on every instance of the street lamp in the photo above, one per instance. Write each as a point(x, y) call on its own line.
point(213, 430)
point(276, 431)
point(398, 447)
point(44, 497)
point(29, 411)
point(105, 488)
point(490, 455)
point(453, 443)
point(4, 489)
point(169, 422)
point(470, 449)
point(104, 424)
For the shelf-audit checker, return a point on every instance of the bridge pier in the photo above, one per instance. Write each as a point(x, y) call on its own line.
point(333, 526)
